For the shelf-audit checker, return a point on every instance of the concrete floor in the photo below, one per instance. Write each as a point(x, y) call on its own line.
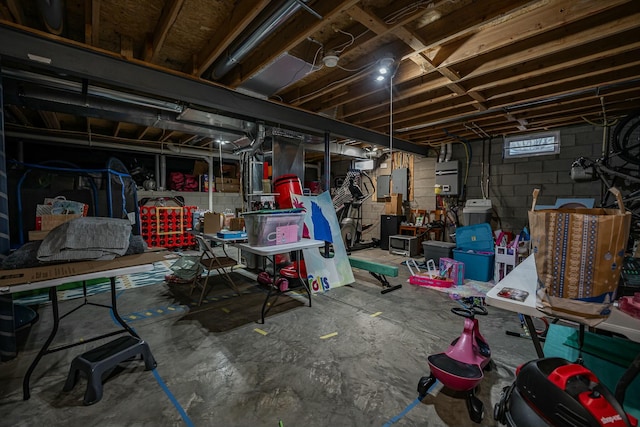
point(366, 375)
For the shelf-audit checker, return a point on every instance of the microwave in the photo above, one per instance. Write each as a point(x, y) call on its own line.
point(403, 245)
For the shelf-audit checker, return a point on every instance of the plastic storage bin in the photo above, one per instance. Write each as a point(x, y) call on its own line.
point(475, 250)
point(434, 249)
point(276, 227)
point(476, 211)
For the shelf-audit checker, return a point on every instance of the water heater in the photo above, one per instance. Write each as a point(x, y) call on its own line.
point(448, 177)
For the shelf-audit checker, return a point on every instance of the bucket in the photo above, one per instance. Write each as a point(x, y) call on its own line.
point(285, 186)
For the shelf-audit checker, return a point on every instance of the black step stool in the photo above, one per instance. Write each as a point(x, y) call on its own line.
point(95, 363)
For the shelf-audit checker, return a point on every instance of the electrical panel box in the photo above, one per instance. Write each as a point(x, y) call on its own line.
point(400, 182)
point(383, 187)
point(448, 177)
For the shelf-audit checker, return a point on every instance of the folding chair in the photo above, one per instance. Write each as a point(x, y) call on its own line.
point(210, 262)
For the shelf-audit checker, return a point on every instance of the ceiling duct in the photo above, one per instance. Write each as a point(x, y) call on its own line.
point(267, 27)
point(52, 12)
point(297, 136)
point(49, 99)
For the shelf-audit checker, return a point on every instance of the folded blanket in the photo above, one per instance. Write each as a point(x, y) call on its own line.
point(86, 238)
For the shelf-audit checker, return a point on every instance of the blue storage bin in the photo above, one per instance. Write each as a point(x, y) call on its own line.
point(475, 248)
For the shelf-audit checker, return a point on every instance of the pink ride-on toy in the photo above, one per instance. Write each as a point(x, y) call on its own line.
point(460, 368)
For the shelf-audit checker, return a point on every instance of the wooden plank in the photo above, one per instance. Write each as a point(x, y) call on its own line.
point(524, 26)
point(15, 7)
point(368, 19)
point(450, 26)
point(126, 46)
point(588, 40)
point(95, 22)
point(50, 119)
point(170, 12)
point(19, 115)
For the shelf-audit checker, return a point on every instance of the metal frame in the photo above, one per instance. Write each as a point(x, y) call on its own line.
point(41, 52)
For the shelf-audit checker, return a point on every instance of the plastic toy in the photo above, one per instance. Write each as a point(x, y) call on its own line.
point(460, 368)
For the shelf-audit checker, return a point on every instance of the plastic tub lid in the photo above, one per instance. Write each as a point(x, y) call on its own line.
point(478, 237)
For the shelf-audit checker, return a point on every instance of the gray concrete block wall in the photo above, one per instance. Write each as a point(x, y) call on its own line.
point(423, 182)
point(512, 181)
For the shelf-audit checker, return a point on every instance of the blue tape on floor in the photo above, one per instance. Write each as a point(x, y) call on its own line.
point(160, 382)
point(408, 408)
point(403, 413)
point(173, 400)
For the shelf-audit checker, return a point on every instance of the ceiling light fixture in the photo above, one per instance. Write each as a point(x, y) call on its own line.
point(385, 65)
point(330, 59)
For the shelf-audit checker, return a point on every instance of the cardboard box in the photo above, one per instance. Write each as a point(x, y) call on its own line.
point(49, 222)
point(393, 205)
point(228, 188)
point(200, 167)
point(23, 276)
point(453, 270)
point(232, 181)
point(236, 224)
point(213, 222)
point(37, 234)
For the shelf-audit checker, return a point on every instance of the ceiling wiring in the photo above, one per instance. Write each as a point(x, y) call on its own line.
point(392, 18)
point(347, 44)
point(362, 70)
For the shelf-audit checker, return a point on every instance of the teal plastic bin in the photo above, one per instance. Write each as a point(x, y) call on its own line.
point(475, 248)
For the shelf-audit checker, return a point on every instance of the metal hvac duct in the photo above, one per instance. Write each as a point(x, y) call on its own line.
point(239, 52)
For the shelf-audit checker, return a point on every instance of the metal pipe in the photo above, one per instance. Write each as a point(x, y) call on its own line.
point(163, 172)
point(99, 92)
point(157, 170)
point(211, 181)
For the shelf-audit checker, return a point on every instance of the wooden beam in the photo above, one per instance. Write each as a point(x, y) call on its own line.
point(551, 15)
point(143, 132)
point(368, 19)
point(126, 46)
point(50, 119)
point(88, 21)
point(168, 135)
point(444, 29)
point(15, 7)
point(188, 139)
point(244, 12)
point(5, 13)
point(19, 115)
point(170, 12)
point(581, 39)
point(95, 22)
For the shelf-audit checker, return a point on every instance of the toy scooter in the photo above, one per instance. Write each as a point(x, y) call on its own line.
point(460, 368)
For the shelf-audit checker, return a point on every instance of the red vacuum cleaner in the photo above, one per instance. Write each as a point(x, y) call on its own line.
point(554, 392)
point(461, 367)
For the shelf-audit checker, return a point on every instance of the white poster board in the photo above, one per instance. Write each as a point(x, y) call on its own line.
point(322, 223)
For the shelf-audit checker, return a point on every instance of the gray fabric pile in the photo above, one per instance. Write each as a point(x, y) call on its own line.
point(24, 257)
point(85, 238)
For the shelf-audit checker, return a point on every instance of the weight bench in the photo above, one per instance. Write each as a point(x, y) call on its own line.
point(379, 271)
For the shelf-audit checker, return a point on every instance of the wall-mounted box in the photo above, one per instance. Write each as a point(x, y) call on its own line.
point(448, 177)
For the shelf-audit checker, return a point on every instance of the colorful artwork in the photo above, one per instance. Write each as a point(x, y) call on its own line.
point(322, 224)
